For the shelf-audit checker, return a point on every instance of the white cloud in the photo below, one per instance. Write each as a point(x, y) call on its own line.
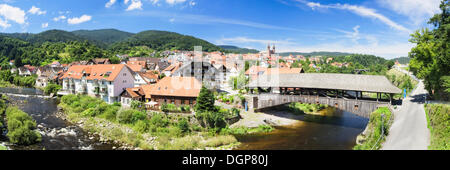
point(4, 24)
point(79, 20)
point(172, 2)
point(192, 3)
point(110, 3)
point(417, 10)
point(12, 13)
point(361, 11)
point(135, 4)
point(36, 11)
point(313, 5)
point(62, 17)
point(44, 25)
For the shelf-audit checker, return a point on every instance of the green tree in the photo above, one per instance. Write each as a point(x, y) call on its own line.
point(52, 88)
point(205, 101)
point(115, 60)
point(430, 57)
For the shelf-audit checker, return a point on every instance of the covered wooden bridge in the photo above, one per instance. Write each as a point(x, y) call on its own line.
point(343, 91)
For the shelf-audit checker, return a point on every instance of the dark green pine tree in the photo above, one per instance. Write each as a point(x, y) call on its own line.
point(205, 101)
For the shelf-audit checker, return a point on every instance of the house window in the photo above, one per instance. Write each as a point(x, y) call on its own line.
point(124, 74)
point(124, 81)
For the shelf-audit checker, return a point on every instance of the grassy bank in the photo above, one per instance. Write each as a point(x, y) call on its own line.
point(376, 131)
point(438, 118)
point(401, 80)
point(3, 148)
point(142, 129)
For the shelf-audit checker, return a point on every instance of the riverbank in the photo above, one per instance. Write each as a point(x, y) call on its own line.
point(438, 118)
point(284, 115)
point(136, 129)
point(376, 131)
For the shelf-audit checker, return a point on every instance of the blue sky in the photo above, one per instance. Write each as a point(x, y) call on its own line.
point(379, 27)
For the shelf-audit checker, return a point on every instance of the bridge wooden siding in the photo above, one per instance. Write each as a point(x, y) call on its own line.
point(359, 107)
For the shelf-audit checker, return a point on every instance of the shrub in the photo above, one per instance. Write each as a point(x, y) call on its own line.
point(69, 99)
point(439, 124)
point(174, 131)
point(136, 105)
point(141, 126)
point(21, 127)
point(159, 120)
point(138, 115)
point(183, 124)
point(211, 119)
point(164, 108)
point(236, 112)
point(125, 116)
point(52, 88)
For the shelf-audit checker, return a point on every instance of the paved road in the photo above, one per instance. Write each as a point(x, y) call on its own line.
point(409, 130)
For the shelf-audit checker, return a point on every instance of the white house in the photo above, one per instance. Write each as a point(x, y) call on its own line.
point(104, 81)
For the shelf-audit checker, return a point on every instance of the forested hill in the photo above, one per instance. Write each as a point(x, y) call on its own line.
point(106, 36)
point(402, 60)
point(320, 53)
point(163, 40)
point(64, 46)
point(47, 36)
point(234, 49)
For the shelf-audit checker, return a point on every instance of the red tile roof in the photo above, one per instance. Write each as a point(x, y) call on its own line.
point(135, 67)
point(108, 72)
point(174, 86)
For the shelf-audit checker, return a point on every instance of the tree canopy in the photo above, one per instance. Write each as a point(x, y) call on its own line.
point(430, 57)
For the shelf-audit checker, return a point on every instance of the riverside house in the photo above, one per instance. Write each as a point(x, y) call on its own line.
point(46, 74)
point(104, 81)
point(172, 90)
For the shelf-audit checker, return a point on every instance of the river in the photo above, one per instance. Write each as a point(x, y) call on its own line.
point(331, 131)
point(57, 134)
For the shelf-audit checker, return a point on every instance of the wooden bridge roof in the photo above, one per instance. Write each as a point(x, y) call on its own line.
point(350, 82)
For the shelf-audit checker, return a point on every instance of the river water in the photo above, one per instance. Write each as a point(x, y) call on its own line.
point(331, 131)
point(57, 134)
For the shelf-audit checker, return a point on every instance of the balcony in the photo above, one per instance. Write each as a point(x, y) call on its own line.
point(103, 89)
point(82, 90)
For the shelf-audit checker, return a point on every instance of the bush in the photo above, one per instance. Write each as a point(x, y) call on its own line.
point(138, 115)
point(439, 124)
point(183, 124)
point(159, 120)
point(211, 119)
point(125, 116)
point(69, 99)
point(21, 127)
point(52, 88)
point(142, 126)
point(164, 108)
point(136, 105)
